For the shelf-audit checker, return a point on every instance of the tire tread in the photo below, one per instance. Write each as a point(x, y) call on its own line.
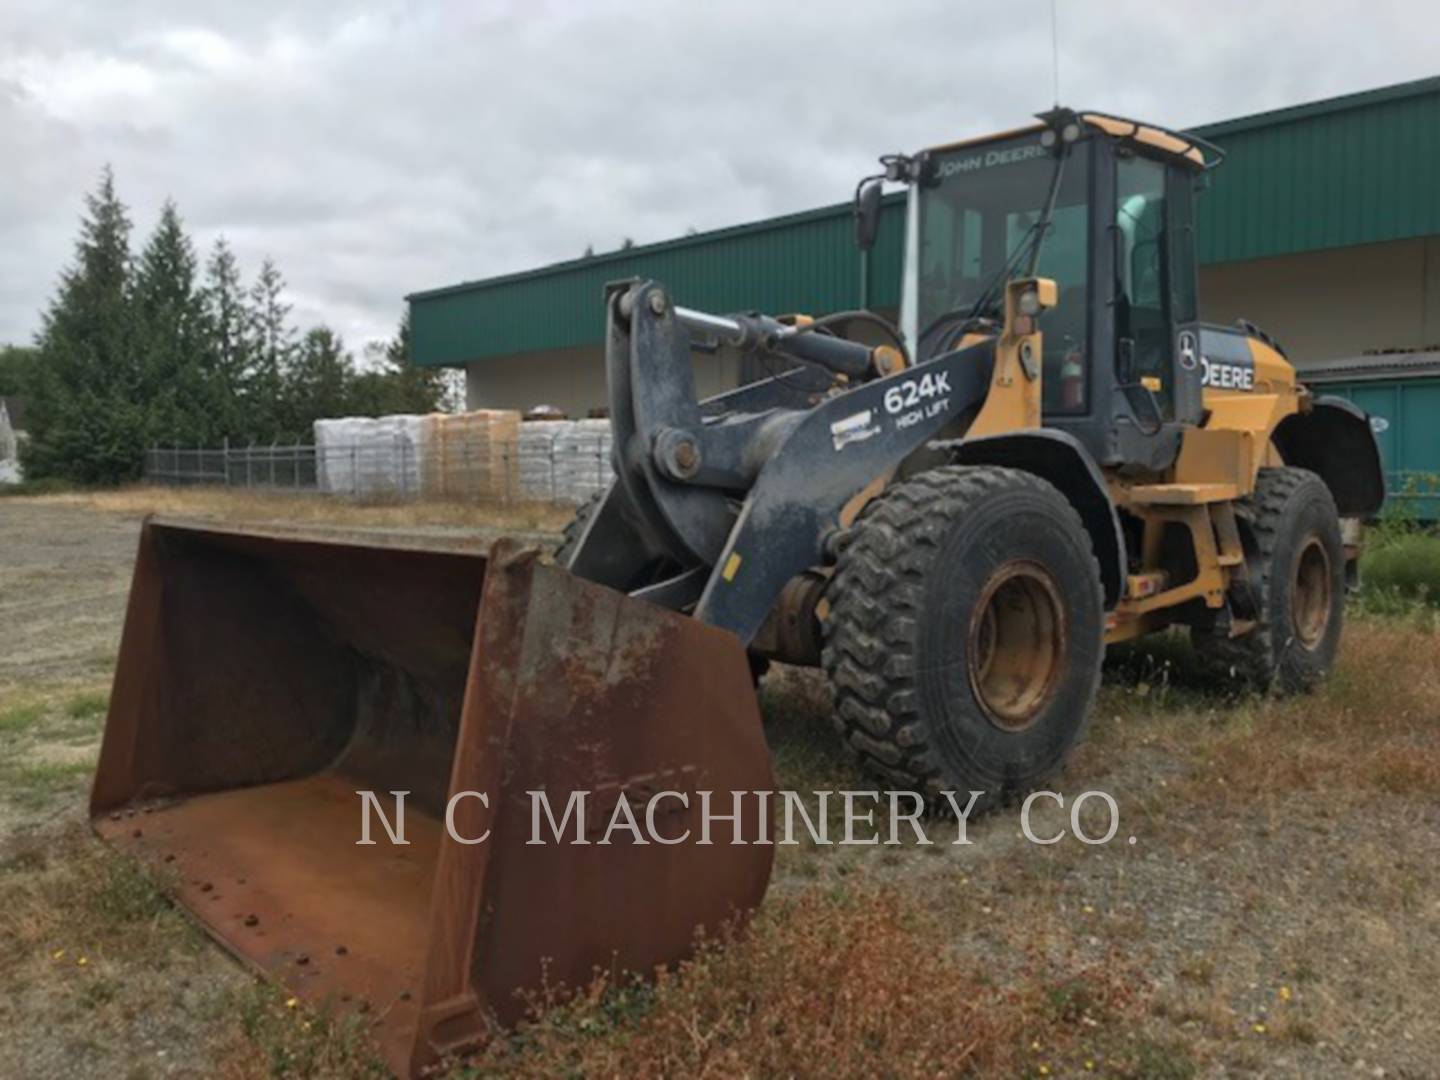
point(871, 633)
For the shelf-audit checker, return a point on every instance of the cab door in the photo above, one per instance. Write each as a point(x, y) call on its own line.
point(1184, 256)
point(1156, 321)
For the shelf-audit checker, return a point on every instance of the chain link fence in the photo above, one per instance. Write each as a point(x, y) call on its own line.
point(533, 469)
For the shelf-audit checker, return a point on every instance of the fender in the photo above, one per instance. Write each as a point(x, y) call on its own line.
point(1058, 457)
point(1335, 440)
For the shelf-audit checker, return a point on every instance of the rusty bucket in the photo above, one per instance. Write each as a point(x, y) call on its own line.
point(264, 681)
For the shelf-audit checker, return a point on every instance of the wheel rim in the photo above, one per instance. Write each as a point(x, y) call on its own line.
point(1310, 593)
point(1017, 645)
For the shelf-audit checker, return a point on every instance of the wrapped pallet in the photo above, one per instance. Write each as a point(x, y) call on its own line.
point(564, 460)
point(472, 455)
point(370, 457)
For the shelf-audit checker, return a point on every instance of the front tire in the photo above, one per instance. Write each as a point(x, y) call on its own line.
point(1295, 565)
point(575, 528)
point(965, 633)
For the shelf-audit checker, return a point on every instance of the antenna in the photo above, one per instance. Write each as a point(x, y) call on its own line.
point(1055, 49)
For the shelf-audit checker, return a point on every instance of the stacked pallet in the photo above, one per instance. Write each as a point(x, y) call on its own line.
point(472, 455)
point(564, 460)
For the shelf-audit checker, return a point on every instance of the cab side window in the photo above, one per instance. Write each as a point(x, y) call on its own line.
point(1143, 314)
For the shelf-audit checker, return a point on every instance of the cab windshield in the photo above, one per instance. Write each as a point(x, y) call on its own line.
point(982, 208)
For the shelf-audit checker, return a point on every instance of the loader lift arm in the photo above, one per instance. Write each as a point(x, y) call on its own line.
point(702, 496)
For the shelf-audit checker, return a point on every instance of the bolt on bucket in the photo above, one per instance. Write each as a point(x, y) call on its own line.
point(263, 681)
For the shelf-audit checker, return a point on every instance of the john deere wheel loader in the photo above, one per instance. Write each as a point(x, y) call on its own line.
point(1050, 454)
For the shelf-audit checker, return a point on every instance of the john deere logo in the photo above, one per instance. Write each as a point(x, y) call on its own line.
point(1189, 350)
point(988, 160)
point(1227, 374)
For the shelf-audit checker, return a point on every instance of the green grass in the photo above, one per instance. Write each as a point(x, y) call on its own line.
point(87, 706)
point(1404, 567)
point(33, 786)
point(21, 717)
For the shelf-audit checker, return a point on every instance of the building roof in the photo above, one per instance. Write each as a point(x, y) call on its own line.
point(1418, 364)
point(1356, 169)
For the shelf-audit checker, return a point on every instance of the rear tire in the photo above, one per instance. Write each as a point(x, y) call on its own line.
point(965, 633)
point(1296, 593)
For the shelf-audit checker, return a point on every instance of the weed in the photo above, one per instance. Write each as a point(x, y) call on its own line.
point(277, 1038)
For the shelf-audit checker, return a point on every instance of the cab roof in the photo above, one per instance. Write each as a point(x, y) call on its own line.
point(1190, 149)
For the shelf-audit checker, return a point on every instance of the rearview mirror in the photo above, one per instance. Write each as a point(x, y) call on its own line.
point(867, 212)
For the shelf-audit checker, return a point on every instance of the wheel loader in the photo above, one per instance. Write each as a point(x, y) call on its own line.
point(952, 518)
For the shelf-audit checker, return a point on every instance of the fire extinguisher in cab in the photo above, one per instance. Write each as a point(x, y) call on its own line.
point(1072, 380)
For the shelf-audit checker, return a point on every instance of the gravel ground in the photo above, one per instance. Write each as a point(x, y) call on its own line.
point(64, 573)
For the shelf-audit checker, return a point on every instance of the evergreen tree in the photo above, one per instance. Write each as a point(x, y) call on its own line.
point(17, 364)
point(418, 389)
point(229, 355)
point(272, 348)
point(181, 401)
point(85, 418)
point(134, 352)
point(394, 383)
point(318, 382)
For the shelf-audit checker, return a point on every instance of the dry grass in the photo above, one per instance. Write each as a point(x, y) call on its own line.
point(845, 982)
point(253, 506)
point(1373, 727)
point(261, 1033)
point(63, 892)
point(102, 975)
point(862, 975)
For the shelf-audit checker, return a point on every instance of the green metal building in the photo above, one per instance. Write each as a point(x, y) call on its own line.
point(1322, 226)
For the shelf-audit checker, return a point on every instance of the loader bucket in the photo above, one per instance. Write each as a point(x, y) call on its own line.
point(263, 681)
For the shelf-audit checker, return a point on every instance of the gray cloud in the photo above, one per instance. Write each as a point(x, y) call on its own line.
point(374, 149)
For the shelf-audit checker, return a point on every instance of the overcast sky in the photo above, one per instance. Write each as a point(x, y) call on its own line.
point(374, 149)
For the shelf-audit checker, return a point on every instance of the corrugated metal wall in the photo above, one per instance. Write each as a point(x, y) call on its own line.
point(1324, 179)
point(1354, 170)
point(807, 262)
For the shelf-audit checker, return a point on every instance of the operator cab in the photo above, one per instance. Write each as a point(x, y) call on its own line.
point(1104, 207)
